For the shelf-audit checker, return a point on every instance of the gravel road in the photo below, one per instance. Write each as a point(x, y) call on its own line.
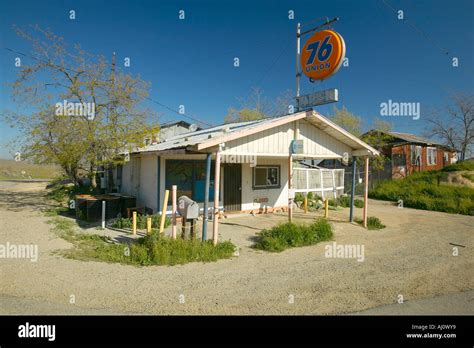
point(412, 257)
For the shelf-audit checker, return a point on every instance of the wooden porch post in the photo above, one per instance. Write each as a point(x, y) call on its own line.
point(296, 135)
point(215, 225)
point(354, 167)
point(290, 186)
point(366, 189)
point(174, 190)
point(205, 217)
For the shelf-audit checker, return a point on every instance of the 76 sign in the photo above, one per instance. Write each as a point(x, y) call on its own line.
point(322, 54)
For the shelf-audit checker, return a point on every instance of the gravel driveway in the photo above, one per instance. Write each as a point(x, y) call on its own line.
point(412, 257)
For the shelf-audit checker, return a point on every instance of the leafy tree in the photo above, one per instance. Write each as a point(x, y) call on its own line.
point(76, 140)
point(378, 138)
point(347, 120)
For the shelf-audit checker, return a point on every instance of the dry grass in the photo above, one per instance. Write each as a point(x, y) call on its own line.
point(22, 170)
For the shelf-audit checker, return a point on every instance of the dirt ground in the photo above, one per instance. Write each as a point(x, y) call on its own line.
point(412, 257)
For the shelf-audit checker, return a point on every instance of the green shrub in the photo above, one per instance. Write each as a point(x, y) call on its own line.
point(150, 250)
point(314, 196)
point(141, 221)
point(373, 223)
point(421, 191)
point(290, 235)
point(64, 193)
point(458, 166)
point(299, 197)
point(345, 202)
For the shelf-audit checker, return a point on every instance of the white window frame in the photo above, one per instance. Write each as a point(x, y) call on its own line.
point(415, 149)
point(267, 167)
point(434, 152)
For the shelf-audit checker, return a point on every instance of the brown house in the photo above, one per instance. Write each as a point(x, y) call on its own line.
point(409, 153)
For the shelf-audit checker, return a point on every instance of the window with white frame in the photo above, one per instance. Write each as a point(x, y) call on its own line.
point(415, 151)
point(266, 177)
point(431, 153)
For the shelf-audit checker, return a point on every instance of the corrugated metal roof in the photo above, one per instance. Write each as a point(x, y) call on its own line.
point(193, 138)
point(412, 138)
point(235, 130)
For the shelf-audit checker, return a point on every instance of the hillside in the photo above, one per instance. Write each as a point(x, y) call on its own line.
point(448, 190)
point(22, 170)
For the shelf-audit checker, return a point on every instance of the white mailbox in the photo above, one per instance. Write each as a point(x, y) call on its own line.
point(188, 208)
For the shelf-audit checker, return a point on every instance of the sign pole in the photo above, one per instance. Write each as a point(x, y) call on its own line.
point(321, 56)
point(298, 73)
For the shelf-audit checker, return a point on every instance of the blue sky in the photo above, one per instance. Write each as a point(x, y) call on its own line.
point(190, 62)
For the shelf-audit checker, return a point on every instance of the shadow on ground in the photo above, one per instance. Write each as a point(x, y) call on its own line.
point(19, 201)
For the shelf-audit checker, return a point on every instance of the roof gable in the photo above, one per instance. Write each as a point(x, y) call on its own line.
point(206, 138)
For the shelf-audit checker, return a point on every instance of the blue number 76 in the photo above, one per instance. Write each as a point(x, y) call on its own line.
point(323, 52)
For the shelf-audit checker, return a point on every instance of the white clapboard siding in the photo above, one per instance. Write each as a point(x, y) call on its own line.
point(276, 142)
point(319, 143)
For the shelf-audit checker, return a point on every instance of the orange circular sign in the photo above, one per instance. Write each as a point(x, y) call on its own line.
point(322, 54)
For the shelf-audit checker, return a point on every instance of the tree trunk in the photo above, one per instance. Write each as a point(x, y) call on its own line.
point(71, 173)
point(93, 176)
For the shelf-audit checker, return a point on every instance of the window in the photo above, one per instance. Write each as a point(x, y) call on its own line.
point(399, 159)
point(415, 152)
point(190, 177)
point(431, 153)
point(266, 177)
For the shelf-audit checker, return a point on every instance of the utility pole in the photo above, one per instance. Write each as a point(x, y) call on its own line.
point(298, 72)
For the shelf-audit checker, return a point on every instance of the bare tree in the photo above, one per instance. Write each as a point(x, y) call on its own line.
point(60, 75)
point(256, 106)
point(454, 125)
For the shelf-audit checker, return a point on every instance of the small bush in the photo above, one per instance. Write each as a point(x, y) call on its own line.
point(141, 221)
point(373, 223)
point(299, 197)
point(345, 202)
point(314, 196)
point(152, 249)
point(149, 250)
point(291, 235)
point(62, 193)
